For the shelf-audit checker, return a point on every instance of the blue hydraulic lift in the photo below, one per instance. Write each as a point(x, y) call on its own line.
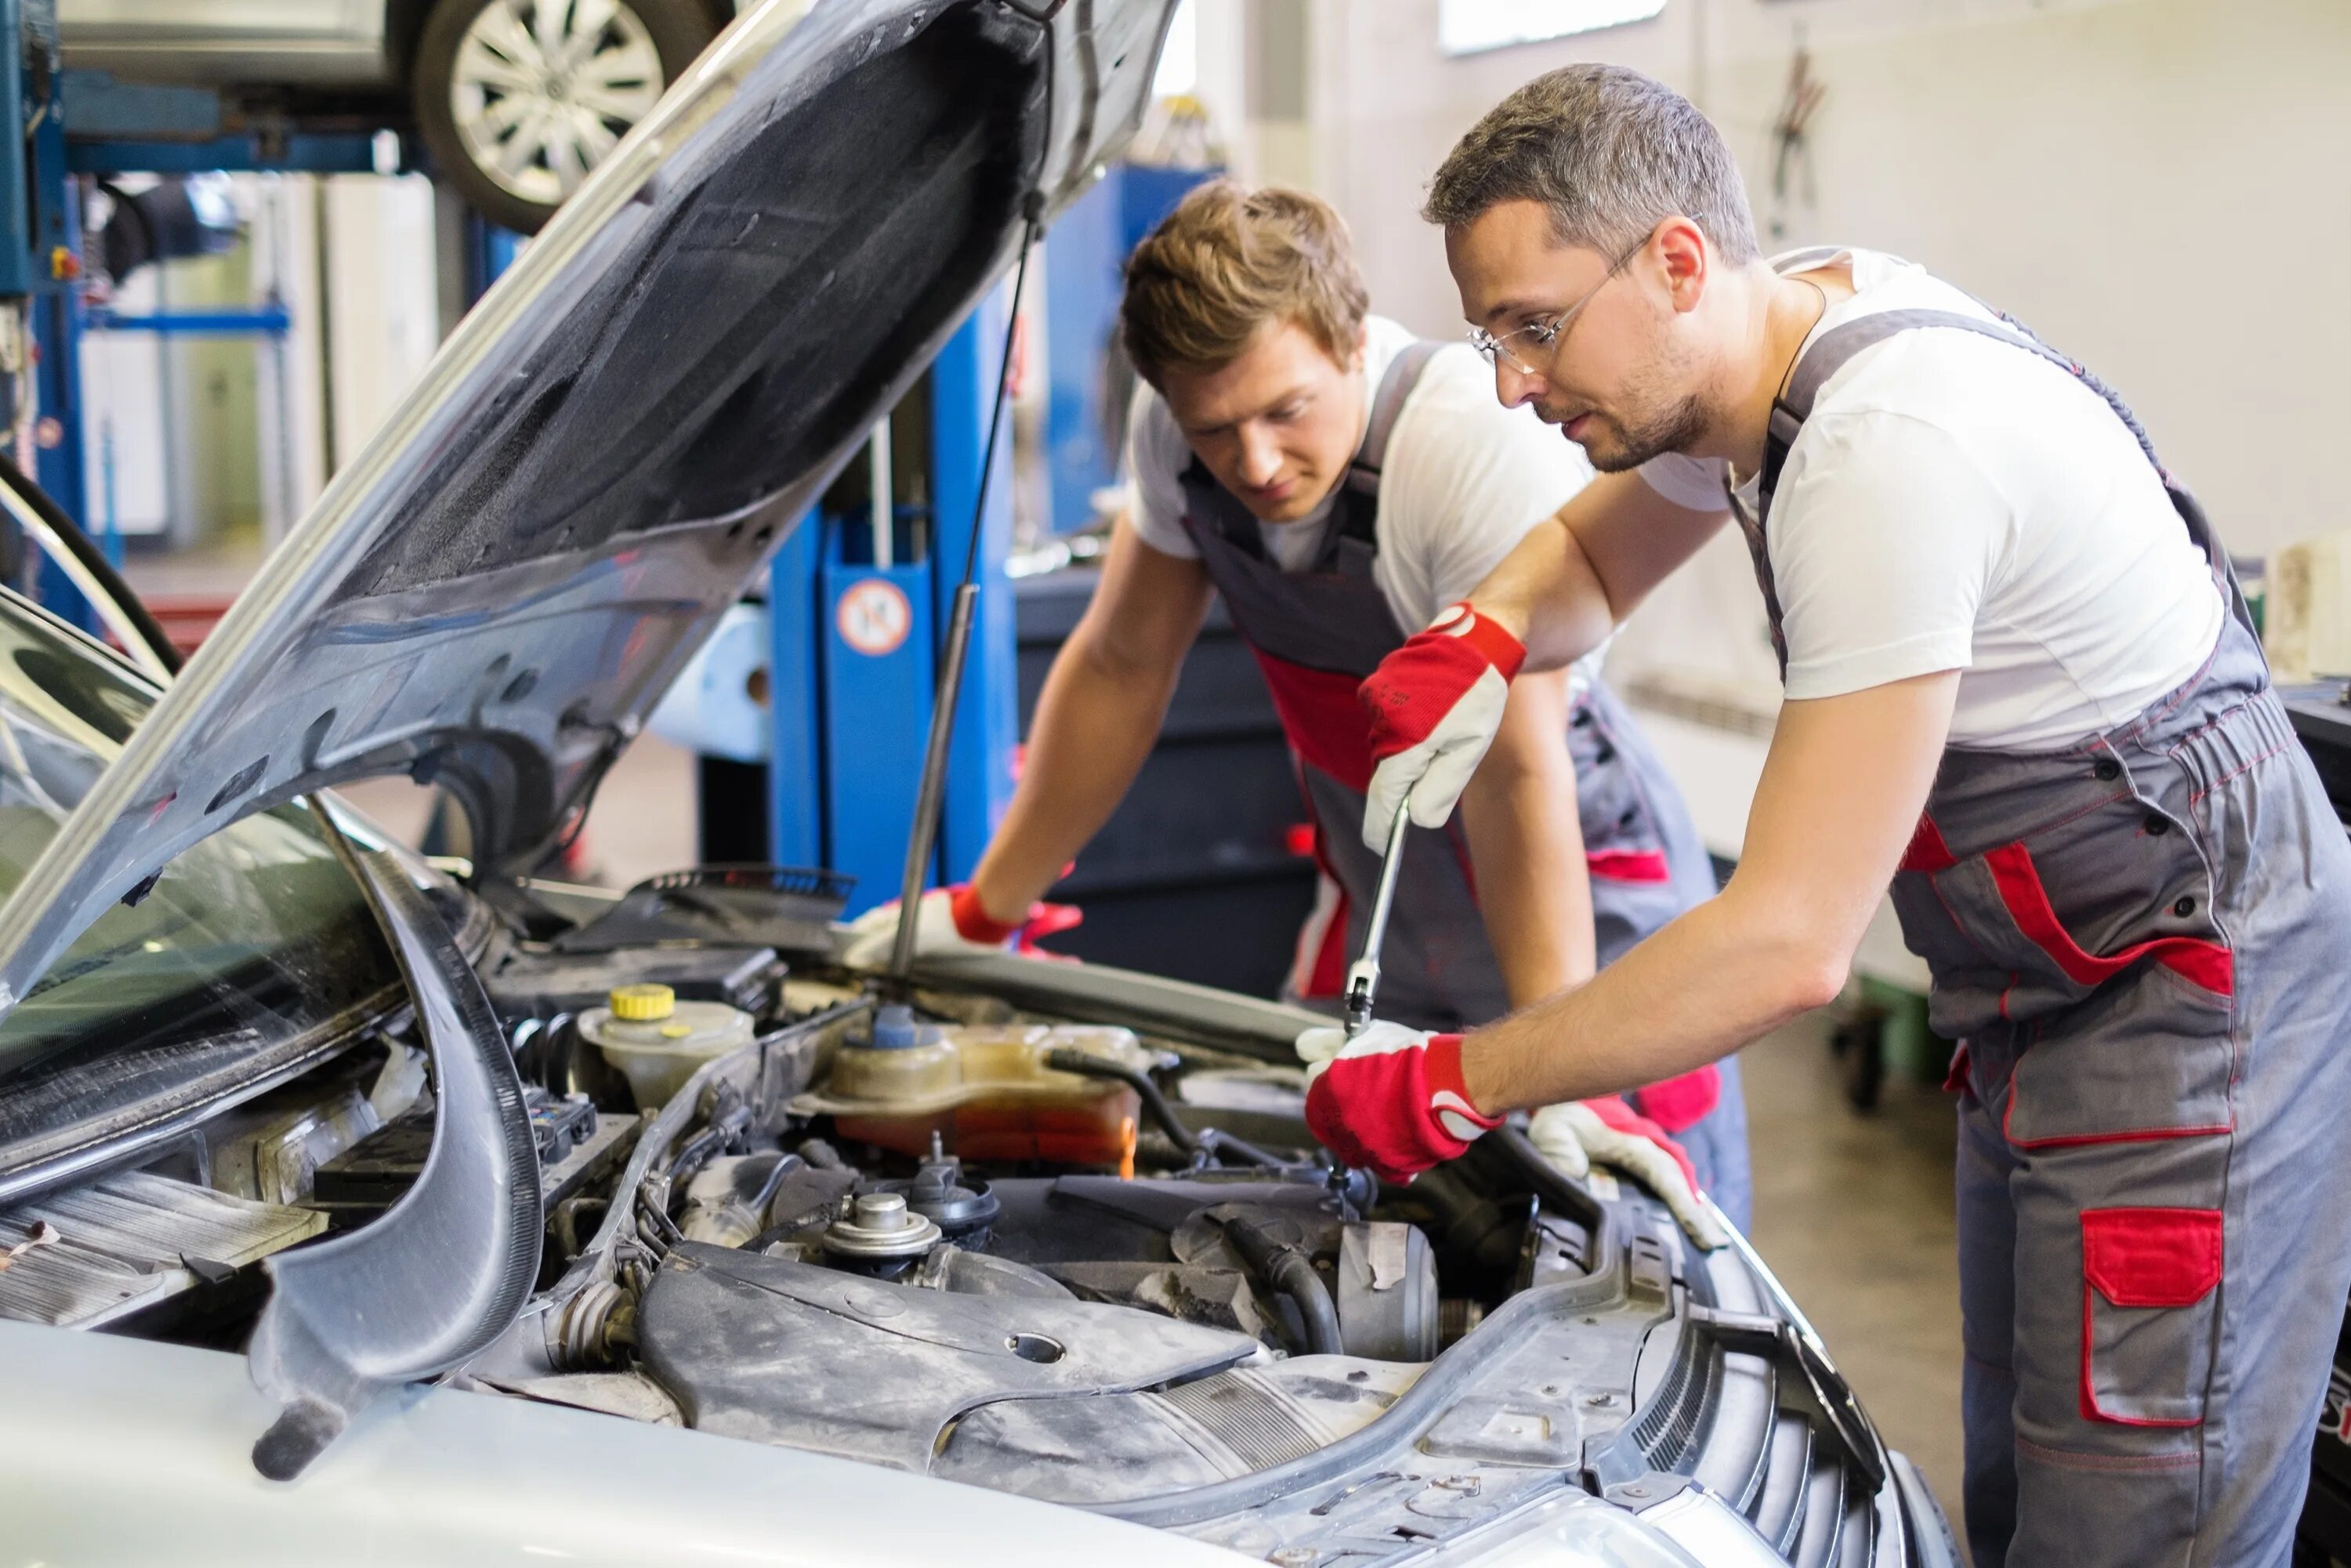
point(855, 621)
point(853, 660)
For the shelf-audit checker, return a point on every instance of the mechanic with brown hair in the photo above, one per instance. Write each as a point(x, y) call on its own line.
point(1337, 481)
point(2021, 684)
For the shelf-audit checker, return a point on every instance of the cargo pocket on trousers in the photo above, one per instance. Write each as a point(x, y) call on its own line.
point(2149, 1278)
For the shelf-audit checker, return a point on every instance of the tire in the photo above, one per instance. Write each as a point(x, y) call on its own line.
point(470, 50)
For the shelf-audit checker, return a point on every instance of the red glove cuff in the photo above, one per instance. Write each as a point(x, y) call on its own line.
point(1483, 633)
point(1415, 687)
point(1441, 1066)
point(1680, 1104)
point(973, 924)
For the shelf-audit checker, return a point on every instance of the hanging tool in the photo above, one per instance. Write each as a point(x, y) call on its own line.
point(1364, 974)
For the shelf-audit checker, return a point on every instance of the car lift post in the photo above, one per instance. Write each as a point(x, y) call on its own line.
point(855, 617)
point(40, 268)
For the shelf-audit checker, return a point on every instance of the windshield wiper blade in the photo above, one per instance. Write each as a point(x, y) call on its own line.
point(445, 1272)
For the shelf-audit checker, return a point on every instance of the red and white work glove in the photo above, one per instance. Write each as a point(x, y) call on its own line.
point(949, 920)
point(1391, 1098)
point(1435, 704)
point(1607, 1132)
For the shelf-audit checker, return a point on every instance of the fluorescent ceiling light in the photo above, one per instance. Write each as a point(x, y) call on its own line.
point(1467, 26)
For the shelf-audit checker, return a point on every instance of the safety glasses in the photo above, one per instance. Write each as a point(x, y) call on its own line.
point(1533, 348)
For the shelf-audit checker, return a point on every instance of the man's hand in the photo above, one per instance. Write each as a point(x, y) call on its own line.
point(1435, 704)
point(948, 920)
point(1391, 1098)
point(1607, 1132)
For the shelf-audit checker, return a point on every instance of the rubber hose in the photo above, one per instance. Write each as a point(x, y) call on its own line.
point(1067, 1059)
point(1284, 1265)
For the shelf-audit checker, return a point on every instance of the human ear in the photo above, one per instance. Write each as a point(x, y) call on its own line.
point(1689, 261)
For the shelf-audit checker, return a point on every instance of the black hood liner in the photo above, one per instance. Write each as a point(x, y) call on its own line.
point(785, 309)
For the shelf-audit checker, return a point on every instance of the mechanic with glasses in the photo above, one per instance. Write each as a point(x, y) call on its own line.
point(1337, 481)
point(2021, 686)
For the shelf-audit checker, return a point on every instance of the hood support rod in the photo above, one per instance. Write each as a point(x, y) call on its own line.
point(923, 833)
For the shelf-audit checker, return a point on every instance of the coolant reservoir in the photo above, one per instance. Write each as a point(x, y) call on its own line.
point(657, 1041)
point(984, 1090)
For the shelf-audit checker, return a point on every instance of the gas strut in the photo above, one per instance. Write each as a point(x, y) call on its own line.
point(923, 832)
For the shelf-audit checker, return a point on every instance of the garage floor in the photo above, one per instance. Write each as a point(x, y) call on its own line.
point(1855, 1214)
point(1854, 1211)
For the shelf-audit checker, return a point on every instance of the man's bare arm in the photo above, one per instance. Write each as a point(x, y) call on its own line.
point(1096, 718)
point(1574, 579)
point(1526, 844)
point(1839, 799)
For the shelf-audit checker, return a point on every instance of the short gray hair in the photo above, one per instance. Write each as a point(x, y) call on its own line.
point(1610, 152)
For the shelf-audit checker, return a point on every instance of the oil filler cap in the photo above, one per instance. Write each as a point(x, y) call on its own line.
point(645, 1003)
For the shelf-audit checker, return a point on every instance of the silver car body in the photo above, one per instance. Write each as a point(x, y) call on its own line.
point(494, 594)
point(309, 41)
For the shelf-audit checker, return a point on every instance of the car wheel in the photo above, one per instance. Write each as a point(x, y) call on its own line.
point(517, 100)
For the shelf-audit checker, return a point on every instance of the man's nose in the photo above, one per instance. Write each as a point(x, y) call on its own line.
point(1260, 462)
point(1513, 385)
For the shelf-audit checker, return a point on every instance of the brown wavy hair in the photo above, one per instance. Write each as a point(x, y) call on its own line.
point(1227, 262)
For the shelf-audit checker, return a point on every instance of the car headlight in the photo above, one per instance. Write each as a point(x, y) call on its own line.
point(1691, 1529)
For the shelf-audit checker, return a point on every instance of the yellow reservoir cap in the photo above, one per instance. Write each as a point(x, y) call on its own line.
point(645, 1003)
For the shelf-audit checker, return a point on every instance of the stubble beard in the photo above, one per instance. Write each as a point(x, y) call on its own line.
point(1676, 420)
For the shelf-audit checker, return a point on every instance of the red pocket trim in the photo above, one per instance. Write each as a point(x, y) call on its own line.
point(1955, 1081)
point(2145, 1257)
point(1629, 865)
point(2152, 1256)
point(2207, 964)
point(1927, 851)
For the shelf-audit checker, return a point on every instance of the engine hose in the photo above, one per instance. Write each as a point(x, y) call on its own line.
point(1067, 1059)
point(1192, 1145)
point(1283, 1264)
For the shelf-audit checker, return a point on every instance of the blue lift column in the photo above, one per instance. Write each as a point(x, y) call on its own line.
point(40, 266)
point(855, 652)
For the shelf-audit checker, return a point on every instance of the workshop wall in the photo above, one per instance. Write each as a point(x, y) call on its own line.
point(2155, 185)
point(2109, 173)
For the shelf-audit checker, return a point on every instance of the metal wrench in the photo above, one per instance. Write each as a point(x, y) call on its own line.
point(1364, 974)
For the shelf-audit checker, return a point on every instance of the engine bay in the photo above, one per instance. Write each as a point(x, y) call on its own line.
point(1020, 1232)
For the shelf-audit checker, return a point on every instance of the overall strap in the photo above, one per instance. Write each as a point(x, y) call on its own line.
point(1359, 491)
point(1207, 505)
point(1838, 348)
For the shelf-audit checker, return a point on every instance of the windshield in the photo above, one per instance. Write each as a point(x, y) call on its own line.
point(251, 951)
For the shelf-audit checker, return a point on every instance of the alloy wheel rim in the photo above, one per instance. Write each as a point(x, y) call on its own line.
point(541, 90)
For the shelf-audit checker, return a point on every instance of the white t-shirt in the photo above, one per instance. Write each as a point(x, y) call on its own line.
point(1464, 479)
point(1958, 503)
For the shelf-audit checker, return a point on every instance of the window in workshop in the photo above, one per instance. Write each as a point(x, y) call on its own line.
point(1466, 26)
point(1179, 58)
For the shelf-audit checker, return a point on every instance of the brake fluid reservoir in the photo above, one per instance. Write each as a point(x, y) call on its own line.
point(984, 1091)
point(657, 1042)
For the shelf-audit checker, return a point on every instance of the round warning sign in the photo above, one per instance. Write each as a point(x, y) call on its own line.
point(873, 616)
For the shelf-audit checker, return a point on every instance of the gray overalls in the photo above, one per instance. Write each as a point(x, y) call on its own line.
point(2140, 942)
point(1317, 634)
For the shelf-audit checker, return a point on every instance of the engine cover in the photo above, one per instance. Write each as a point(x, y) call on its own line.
point(788, 1352)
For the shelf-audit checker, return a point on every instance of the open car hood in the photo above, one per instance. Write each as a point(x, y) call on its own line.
point(603, 455)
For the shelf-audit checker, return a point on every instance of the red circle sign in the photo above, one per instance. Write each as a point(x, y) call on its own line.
point(873, 616)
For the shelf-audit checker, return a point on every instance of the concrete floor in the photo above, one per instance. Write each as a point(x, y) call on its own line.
point(1854, 1211)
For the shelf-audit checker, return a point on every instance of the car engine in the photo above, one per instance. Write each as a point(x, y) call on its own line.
point(1049, 1229)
